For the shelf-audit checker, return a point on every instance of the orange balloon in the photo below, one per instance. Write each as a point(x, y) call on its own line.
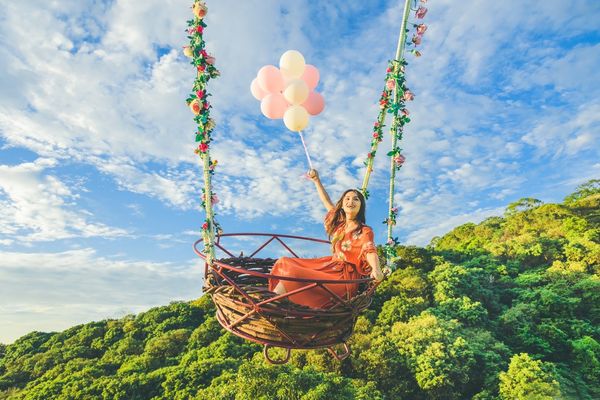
point(256, 90)
point(311, 76)
point(273, 106)
point(270, 79)
point(314, 104)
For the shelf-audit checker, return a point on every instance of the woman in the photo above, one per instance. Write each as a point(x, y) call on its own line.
point(354, 254)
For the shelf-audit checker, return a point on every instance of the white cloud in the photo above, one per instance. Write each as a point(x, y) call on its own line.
point(557, 134)
point(423, 236)
point(39, 207)
point(52, 291)
point(171, 186)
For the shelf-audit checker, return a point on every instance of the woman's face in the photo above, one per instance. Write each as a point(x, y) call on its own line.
point(351, 204)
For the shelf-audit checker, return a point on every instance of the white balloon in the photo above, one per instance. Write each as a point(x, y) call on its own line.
point(295, 118)
point(296, 91)
point(292, 64)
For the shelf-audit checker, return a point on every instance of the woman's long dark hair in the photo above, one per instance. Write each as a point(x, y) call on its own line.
point(339, 216)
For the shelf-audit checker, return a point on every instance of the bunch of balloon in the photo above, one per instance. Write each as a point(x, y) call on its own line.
point(288, 92)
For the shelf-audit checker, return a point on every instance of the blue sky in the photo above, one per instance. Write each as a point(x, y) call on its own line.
point(99, 186)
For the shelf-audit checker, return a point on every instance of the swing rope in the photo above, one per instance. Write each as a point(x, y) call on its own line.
point(384, 101)
point(200, 106)
point(397, 127)
point(394, 82)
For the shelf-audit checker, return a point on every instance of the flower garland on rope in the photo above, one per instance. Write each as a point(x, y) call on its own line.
point(200, 107)
point(377, 137)
point(400, 118)
point(395, 82)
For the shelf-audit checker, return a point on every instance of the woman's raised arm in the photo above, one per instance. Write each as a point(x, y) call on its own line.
point(314, 176)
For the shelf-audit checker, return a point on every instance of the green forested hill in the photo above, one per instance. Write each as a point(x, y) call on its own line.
point(508, 308)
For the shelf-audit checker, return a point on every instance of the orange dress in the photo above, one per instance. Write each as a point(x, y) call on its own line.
point(347, 262)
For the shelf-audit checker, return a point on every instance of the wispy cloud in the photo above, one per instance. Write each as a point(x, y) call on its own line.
point(60, 289)
point(37, 206)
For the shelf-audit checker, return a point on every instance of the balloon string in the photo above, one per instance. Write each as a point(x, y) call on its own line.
point(305, 150)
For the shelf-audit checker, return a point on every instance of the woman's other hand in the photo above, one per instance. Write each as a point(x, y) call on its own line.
point(313, 175)
point(377, 275)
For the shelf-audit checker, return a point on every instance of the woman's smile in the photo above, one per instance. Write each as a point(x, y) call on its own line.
point(351, 204)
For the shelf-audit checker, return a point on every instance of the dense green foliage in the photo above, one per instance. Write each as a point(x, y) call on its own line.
point(505, 309)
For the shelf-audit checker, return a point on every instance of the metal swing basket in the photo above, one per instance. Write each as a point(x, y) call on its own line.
point(246, 307)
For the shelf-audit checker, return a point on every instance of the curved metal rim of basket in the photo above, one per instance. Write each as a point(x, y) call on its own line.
point(274, 236)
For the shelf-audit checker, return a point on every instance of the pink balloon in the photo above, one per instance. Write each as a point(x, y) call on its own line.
point(273, 105)
point(311, 76)
point(314, 104)
point(270, 79)
point(256, 91)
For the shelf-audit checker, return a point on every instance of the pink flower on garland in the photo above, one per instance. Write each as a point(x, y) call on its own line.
point(199, 9)
point(203, 147)
point(200, 94)
point(399, 160)
point(205, 226)
point(200, 29)
point(206, 105)
point(209, 59)
point(390, 84)
point(421, 28)
point(195, 106)
point(213, 199)
point(421, 12)
point(376, 124)
point(416, 39)
point(408, 95)
point(388, 70)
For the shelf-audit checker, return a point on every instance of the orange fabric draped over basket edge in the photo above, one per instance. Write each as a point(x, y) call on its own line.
point(348, 261)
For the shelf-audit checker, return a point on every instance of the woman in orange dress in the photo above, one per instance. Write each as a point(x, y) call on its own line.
point(354, 255)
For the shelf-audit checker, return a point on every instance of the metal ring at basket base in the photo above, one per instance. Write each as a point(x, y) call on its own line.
point(341, 356)
point(276, 362)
